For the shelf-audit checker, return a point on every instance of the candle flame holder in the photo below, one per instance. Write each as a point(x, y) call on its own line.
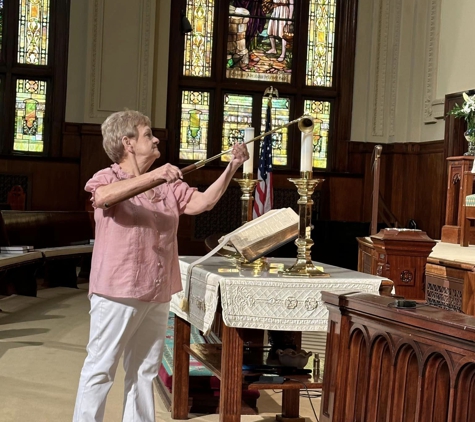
point(247, 185)
point(304, 266)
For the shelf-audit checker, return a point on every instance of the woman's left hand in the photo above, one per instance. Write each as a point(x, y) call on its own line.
point(240, 153)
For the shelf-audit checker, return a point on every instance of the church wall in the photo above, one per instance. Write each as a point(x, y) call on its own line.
point(401, 78)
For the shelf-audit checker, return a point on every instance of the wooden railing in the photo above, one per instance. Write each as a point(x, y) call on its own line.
point(388, 364)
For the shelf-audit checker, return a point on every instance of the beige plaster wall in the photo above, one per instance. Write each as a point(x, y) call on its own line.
point(456, 70)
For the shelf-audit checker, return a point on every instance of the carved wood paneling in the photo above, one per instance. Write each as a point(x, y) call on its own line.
point(396, 365)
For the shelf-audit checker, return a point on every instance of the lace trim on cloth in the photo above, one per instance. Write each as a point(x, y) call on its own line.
point(265, 302)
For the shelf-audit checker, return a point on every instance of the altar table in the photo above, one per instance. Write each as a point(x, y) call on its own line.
point(250, 299)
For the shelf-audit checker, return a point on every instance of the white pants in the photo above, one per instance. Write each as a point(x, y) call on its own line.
point(118, 326)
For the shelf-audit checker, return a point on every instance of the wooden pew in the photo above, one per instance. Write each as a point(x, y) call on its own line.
point(61, 237)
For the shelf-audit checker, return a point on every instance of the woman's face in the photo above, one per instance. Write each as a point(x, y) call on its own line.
point(146, 145)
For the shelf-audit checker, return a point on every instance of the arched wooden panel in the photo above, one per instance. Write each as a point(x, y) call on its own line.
point(380, 368)
point(465, 395)
point(406, 379)
point(357, 377)
point(435, 391)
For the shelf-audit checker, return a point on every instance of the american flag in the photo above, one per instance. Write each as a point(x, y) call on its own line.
point(264, 190)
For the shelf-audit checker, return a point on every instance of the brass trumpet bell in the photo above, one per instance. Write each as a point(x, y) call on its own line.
point(306, 124)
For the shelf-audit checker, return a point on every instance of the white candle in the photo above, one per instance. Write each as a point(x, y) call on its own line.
point(306, 152)
point(248, 166)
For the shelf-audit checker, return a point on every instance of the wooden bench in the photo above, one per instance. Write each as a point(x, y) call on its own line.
point(60, 237)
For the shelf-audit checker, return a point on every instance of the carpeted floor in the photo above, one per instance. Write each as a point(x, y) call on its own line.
point(42, 349)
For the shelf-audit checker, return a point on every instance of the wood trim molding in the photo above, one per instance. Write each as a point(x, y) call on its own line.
point(433, 30)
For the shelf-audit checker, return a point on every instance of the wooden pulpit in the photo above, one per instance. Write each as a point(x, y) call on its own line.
point(401, 255)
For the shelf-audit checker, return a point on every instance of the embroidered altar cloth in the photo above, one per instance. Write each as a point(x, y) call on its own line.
point(262, 299)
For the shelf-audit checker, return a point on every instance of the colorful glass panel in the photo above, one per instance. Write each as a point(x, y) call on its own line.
point(33, 30)
point(1, 23)
point(199, 42)
point(30, 108)
point(280, 110)
point(320, 111)
point(194, 125)
point(321, 43)
point(237, 115)
point(260, 40)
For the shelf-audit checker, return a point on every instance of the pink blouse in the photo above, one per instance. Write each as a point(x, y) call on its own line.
point(135, 249)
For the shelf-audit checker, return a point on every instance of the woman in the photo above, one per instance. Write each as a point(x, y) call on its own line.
point(135, 266)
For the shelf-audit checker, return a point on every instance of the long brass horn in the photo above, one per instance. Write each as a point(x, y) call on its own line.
point(305, 124)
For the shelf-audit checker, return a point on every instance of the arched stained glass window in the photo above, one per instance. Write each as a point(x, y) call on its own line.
point(245, 46)
point(33, 32)
point(237, 115)
point(29, 114)
point(321, 42)
point(320, 111)
point(33, 73)
point(260, 40)
point(199, 43)
point(194, 125)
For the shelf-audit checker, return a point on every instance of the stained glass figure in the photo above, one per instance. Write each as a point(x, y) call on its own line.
point(194, 125)
point(199, 42)
point(33, 30)
point(321, 43)
point(237, 115)
point(260, 40)
point(320, 111)
point(29, 115)
point(280, 112)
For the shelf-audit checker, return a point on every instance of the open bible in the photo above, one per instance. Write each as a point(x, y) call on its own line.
point(262, 235)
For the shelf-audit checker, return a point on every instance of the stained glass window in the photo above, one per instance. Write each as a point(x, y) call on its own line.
point(260, 40)
point(33, 30)
point(280, 110)
point(321, 42)
point(237, 115)
point(199, 42)
point(194, 125)
point(29, 114)
point(1, 23)
point(320, 111)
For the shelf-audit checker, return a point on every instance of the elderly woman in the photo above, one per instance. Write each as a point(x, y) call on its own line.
point(135, 266)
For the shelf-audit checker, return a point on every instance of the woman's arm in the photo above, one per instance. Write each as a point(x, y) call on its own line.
point(204, 201)
point(124, 189)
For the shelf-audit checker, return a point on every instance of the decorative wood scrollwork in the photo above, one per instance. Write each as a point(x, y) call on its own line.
point(406, 276)
point(456, 178)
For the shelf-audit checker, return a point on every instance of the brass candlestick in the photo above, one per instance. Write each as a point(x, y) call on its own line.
point(247, 185)
point(303, 266)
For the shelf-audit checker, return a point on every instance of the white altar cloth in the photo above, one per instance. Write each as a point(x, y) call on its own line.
point(265, 300)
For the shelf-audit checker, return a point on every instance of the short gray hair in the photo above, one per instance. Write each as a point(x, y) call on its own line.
point(118, 125)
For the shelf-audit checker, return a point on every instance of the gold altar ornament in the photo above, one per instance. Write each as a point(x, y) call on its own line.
point(304, 266)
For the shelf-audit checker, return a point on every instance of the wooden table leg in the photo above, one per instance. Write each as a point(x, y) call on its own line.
point(230, 394)
point(181, 369)
point(290, 407)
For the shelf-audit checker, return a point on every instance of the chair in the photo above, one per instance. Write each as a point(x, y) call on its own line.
point(468, 208)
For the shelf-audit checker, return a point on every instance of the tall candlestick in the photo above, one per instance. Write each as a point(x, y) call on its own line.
point(248, 166)
point(306, 152)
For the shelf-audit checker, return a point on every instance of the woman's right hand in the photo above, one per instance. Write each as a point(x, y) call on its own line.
point(168, 173)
